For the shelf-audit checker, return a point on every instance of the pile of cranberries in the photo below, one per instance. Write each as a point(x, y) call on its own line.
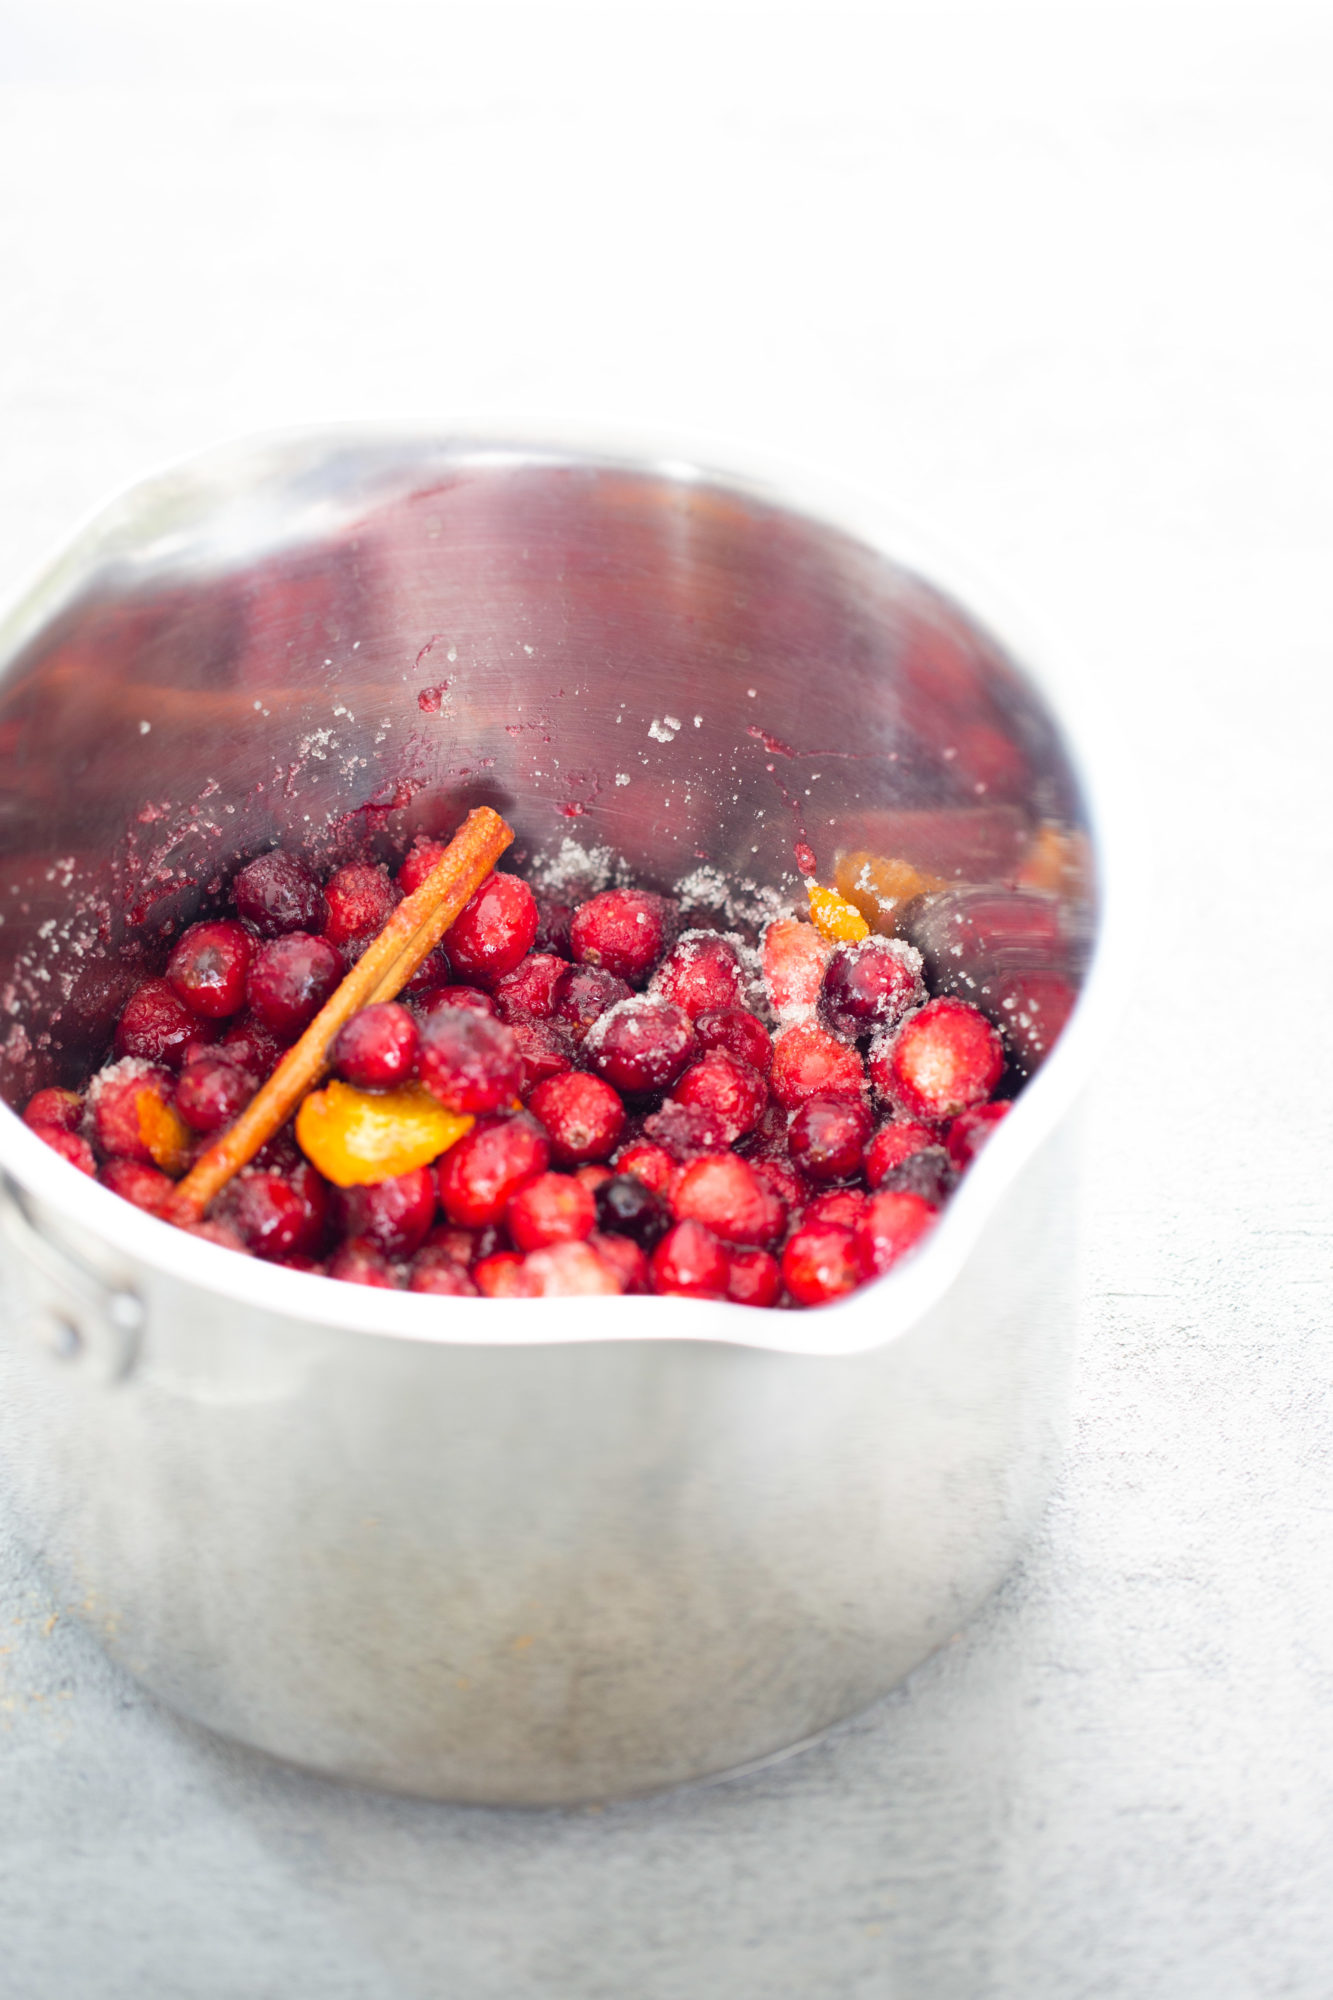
point(656, 1109)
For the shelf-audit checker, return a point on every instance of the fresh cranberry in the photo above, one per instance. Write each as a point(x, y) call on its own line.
point(361, 1262)
point(727, 1196)
point(625, 1258)
point(211, 1092)
point(782, 1179)
point(1031, 1009)
point(394, 1214)
point(493, 932)
point(277, 1215)
point(891, 1145)
point(641, 1045)
point(455, 996)
point(208, 966)
point(689, 1262)
point(468, 1061)
point(442, 1277)
point(68, 1144)
point(531, 987)
point(118, 1099)
point(555, 1208)
point(583, 1116)
point(423, 855)
point(289, 981)
point(793, 955)
point(251, 1046)
point(942, 1060)
point(545, 1047)
point(487, 1165)
point(929, 1173)
point(63, 1108)
point(828, 1137)
point(969, 1131)
point(820, 1263)
point(753, 1278)
point(685, 1131)
point(622, 931)
point(701, 974)
point(212, 1231)
point(627, 1206)
point(585, 994)
point(845, 1206)
point(156, 1025)
point(593, 1176)
point(810, 1062)
point(275, 893)
point(768, 1141)
point(740, 1033)
point(450, 1242)
point(568, 1271)
point(869, 985)
point(730, 1090)
point(361, 899)
point(377, 1048)
point(892, 1225)
point(434, 972)
point(553, 920)
point(146, 1187)
point(504, 1276)
point(652, 1165)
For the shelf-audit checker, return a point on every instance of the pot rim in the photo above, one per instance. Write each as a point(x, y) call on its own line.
point(882, 1311)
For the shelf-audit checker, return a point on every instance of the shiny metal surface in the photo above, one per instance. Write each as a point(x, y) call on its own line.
point(497, 1550)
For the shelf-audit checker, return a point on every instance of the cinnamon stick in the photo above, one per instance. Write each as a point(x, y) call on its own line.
point(384, 968)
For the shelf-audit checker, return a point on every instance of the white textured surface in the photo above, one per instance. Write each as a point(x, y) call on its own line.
point(1062, 282)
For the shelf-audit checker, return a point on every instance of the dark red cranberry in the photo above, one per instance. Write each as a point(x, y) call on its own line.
point(768, 1141)
point(277, 1215)
point(62, 1108)
point(820, 1264)
point(733, 1093)
point(689, 1262)
point(725, 1194)
point(377, 1048)
point(468, 1061)
point(504, 1275)
point(782, 1179)
point(891, 1226)
point(810, 1062)
point(361, 1262)
point(361, 899)
point(553, 920)
point(891, 1145)
point(623, 931)
point(442, 1277)
point(623, 1256)
point(701, 974)
point(969, 1131)
point(828, 1136)
point(275, 893)
point(641, 1045)
point(422, 856)
point(583, 1116)
point(942, 1060)
point(493, 932)
point(868, 986)
point(845, 1206)
point(740, 1033)
point(455, 996)
point(118, 1098)
point(531, 987)
point(69, 1146)
point(434, 972)
point(289, 981)
point(585, 994)
point(555, 1208)
point(1031, 1009)
point(208, 966)
point(156, 1025)
point(394, 1214)
point(546, 1049)
point(652, 1165)
point(753, 1278)
point(211, 1092)
point(626, 1206)
point(929, 1173)
point(146, 1187)
point(685, 1132)
point(487, 1165)
point(461, 1246)
point(251, 1046)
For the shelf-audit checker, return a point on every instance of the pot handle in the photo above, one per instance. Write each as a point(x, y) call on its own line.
point(75, 1313)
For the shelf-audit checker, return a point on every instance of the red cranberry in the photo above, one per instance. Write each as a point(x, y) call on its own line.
point(652, 1165)
point(794, 955)
point(768, 1141)
point(942, 1060)
point(727, 1196)
point(845, 1206)
point(434, 972)
point(1031, 1008)
point(891, 1145)
point(468, 1061)
point(585, 994)
point(568, 1271)
point(277, 1215)
point(442, 1277)
point(62, 1108)
point(553, 921)
point(504, 1276)
point(69, 1146)
point(734, 1093)
point(810, 1062)
point(211, 1231)
point(782, 1179)
point(156, 1025)
point(929, 1173)
point(208, 966)
point(361, 899)
point(622, 931)
point(394, 1214)
point(892, 1224)
point(627, 1206)
point(455, 996)
point(583, 1116)
point(820, 1264)
point(251, 1046)
point(289, 981)
point(495, 930)
point(118, 1097)
point(449, 1240)
point(641, 1045)
point(701, 974)
point(555, 1208)
point(275, 893)
point(593, 1177)
point(146, 1187)
point(361, 1262)
point(487, 1165)
point(377, 1048)
point(211, 1092)
point(625, 1258)
point(545, 1048)
point(531, 987)
point(869, 985)
point(828, 1136)
point(689, 1262)
point(685, 1132)
point(753, 1278)
point(969, 1131)
point(422, 856)
point(741, 1034)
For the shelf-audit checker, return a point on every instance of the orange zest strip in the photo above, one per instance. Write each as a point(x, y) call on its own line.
point(413, 931)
